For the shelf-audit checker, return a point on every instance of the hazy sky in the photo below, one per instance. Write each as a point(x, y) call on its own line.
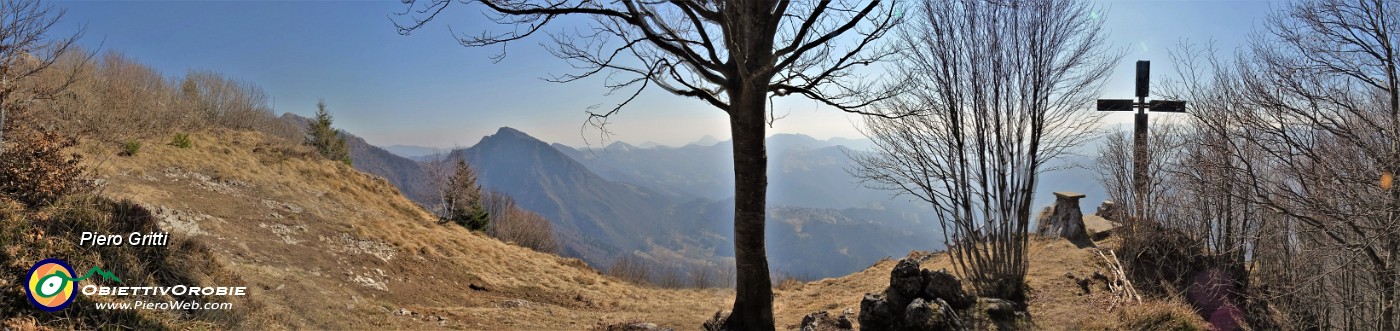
point(426, 90)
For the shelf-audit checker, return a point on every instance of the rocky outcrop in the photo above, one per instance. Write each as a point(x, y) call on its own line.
point(1064, 220)
point(917, 299)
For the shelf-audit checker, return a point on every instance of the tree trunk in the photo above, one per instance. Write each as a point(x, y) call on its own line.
point(753, 299)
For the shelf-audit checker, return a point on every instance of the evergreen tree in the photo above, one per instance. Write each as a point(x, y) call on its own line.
point(463, 198)
point(327, 140)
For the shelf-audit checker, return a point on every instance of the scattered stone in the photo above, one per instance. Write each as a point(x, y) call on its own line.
point(515, 303)
point(179, 221)
point(822, 321)
point(716, 323)
point(349, 244)
point(288, 233)
point(999, 308)
point(1064, 220)
point(632, 326)
point(370, 282)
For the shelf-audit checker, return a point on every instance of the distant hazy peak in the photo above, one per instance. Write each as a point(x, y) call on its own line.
point(508, 131)
point(707, 140)
point(620, 146)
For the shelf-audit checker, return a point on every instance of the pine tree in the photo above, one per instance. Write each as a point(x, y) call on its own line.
point(463, 198)
point(327, 140)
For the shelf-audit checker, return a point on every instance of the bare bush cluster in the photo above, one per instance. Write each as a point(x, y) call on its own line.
point(672, 274)
point(117, 99)
point(524, 228)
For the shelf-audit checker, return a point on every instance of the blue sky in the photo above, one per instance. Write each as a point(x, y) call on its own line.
point(426, 90)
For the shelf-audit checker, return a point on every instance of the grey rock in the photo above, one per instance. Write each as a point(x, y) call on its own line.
point(906, 283)
point(875, 313)
point(943, 285)
point(930, 315)
point(1112, 211)
point(822, 321)
point(998, 308)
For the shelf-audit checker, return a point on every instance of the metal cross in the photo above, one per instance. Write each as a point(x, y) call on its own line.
point(1142, 106)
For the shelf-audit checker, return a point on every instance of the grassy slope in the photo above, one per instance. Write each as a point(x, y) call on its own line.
point(336, 248)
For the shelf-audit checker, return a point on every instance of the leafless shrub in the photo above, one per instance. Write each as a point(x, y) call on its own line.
point(524, 228)
point(789, 281)
point(703, 277)
point(630, 268)
point(118, 99)
point(667, 276)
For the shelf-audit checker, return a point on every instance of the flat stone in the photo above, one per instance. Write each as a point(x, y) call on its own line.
point(1095, 224)
point(1069, 195)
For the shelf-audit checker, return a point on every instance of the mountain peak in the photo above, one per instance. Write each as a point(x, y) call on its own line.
point(707, 140)
point(506, 130)
point(619, 146)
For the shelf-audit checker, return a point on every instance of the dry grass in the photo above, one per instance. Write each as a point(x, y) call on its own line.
point(335, 248)
point(1153, 315)
point(344, 250)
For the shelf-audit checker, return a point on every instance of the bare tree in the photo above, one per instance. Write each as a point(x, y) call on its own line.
point(1008, 84)
point(734, 55)
point(26, 51)
point(438, 168)
point(1114, 165)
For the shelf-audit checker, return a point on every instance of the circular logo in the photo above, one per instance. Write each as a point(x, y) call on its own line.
point(48, 285)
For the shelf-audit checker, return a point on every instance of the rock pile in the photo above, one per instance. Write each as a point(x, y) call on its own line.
point(917, 299)
point(1064, 220)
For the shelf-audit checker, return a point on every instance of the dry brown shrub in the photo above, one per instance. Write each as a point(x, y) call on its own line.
point(1160, 261)
point(524, 228)
point(37, 170)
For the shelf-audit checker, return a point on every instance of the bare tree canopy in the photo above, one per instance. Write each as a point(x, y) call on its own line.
point(1008, 86)
point(26, 51)
point(734, 55)
point(1282, 177)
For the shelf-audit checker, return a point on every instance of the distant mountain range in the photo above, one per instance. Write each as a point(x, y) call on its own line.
point(674, 205)
point(412, 152)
